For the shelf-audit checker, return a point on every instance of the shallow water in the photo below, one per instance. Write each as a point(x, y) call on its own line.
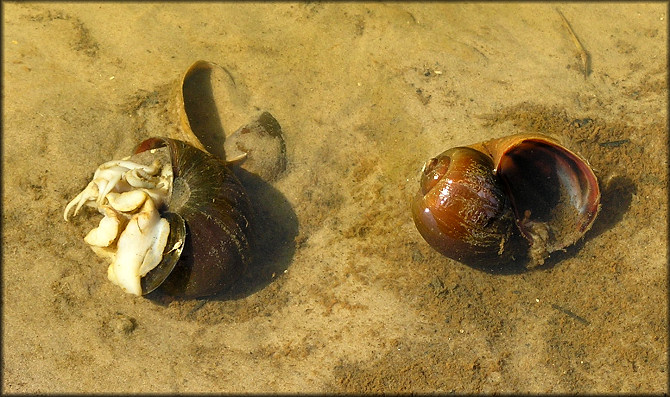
point(351, 299)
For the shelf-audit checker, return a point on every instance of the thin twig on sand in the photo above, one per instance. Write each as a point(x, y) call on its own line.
point(585, 57)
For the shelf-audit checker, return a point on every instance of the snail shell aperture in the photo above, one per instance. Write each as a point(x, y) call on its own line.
point(174, 216)
point(497, 200)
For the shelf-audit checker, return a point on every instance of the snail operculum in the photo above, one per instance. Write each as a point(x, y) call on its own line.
point(211, 108)
point(171, 253)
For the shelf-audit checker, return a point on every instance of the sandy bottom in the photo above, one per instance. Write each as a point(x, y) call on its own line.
point(351, 298)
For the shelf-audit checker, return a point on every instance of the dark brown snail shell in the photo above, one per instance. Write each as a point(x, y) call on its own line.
point(476, 202)
point(461, 209)
point(210, 202)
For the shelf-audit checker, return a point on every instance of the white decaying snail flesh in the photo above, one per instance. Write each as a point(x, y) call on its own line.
point(131, 235)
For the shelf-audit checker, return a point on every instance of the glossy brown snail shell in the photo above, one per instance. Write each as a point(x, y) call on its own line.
point(502, 199)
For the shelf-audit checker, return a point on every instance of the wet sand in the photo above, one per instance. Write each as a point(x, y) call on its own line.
point(351, 298)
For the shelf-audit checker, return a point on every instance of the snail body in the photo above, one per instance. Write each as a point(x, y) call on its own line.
point(181, 223)
point(504, 198)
